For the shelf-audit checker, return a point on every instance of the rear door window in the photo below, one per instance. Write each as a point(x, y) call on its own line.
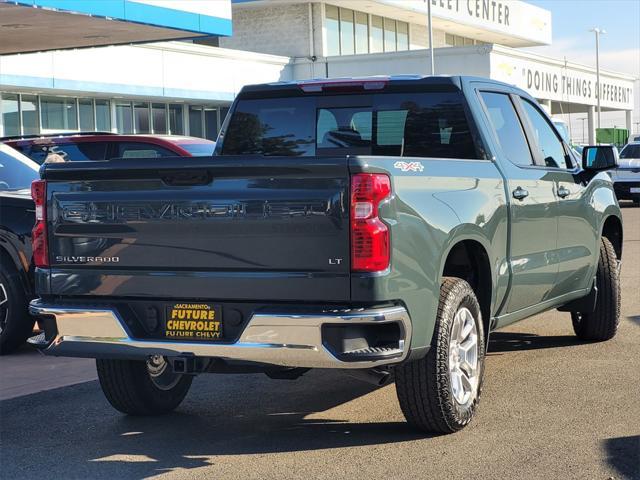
point(406, 124)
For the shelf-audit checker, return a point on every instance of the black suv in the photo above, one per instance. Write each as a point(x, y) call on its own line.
point(17, 217)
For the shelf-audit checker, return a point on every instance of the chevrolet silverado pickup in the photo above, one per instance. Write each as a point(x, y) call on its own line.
point(383, 226)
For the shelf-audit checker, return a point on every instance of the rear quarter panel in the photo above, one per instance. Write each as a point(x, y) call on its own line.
point(429, 212)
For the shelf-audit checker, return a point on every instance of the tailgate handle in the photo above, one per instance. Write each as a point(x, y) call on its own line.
point(182, 178)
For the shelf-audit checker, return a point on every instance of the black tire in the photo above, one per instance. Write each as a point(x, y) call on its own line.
point(424, 386)
point(129, 387)
point(602, 324)
point(16, 325)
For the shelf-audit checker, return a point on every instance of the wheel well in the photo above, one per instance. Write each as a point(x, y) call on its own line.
point(9, 261)
point(469, 260)
point(612, 231)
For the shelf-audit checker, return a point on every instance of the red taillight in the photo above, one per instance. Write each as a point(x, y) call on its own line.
point(369, 235)
point(39, 232)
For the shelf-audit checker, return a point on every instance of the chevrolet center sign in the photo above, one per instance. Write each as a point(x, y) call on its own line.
point(524, 24)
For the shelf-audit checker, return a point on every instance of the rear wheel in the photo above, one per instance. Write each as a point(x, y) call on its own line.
point(440, 392)
point(140, 387)
point(602, 324)
point(16, 324)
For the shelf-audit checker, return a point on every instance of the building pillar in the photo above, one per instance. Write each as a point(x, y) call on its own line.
point(591, 114)
point(629, 121)
point(114, 116)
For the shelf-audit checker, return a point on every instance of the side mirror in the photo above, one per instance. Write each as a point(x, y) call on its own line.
point(599, 158)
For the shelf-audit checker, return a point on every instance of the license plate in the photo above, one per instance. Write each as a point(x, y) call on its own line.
point(634, 190)
point(193, 321)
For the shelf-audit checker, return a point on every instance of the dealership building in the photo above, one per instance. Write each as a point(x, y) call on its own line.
point(70, 66)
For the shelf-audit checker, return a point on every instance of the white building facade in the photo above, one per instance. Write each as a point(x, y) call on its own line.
point(186, 88)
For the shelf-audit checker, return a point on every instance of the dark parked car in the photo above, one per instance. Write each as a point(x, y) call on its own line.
point(17, 217)
point(104, 146)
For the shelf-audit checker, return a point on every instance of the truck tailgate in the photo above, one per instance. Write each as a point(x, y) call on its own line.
point(233, 228)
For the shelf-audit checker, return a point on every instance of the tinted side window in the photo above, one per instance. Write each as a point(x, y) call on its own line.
point(548, 141)
point(508, 128)
point(67, 152)
point(630, 151)
point(81, 151)
point(423, 125)
point(16, 171)
point(141, 150)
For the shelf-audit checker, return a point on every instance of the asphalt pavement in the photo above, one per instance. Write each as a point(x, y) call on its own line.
point(552, 407)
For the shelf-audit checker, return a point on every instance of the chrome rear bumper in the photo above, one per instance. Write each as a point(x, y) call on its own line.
point(270, 338)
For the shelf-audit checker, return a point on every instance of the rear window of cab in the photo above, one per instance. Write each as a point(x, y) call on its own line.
point(433, 124)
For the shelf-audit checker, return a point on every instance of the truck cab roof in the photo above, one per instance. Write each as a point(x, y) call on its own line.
point(375, 82)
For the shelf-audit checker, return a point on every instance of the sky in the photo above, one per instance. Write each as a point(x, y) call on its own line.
point(619, 47)
point(572, 19)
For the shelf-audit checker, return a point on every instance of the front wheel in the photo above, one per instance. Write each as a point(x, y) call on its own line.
point(440, 392)
point(139, 387)
point(602, 323)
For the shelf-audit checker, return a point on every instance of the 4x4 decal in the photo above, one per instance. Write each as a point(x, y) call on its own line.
point(409, 166)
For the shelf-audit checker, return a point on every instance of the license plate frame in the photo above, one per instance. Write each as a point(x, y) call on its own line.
point(193, 321)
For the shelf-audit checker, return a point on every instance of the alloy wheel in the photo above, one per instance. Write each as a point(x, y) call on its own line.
point(463, 357)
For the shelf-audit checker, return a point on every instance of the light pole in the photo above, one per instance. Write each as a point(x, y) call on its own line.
point(429, 26)
point(598, 32)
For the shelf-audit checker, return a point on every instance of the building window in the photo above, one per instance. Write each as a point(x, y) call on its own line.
point(103, 115)
point(203, 122)
point(159, 117)
point(29, 113)
point(403, 36)
point(389, 35)
point(377, 34)
point(195, 122)
point(85, 109)
point(141, 123)
point(176, 125)
point(10, 114)
point(124, 118)
point(348, 32)
point(59, 113)
point(223, 113)
point(332, 25)
point(211, 123)
point(362, 33)
point(347, 37)
point(451, 40)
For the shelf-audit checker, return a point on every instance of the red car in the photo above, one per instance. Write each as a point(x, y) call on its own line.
point(103, 146)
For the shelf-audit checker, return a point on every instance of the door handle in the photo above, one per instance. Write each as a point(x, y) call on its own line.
point(520, 193)
point(563, 192)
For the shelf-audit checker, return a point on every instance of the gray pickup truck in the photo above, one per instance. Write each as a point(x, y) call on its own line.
point(383, 226)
